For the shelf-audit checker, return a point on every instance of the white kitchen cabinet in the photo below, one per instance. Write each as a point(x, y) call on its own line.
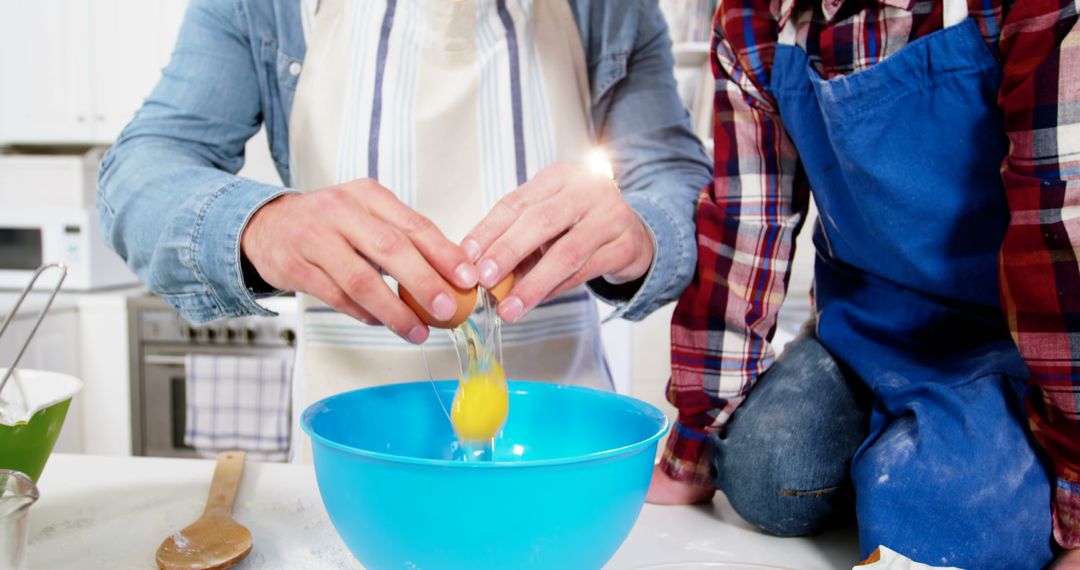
point(104, 368)
point(45, 66)
point(75, 71)
point(131, 40)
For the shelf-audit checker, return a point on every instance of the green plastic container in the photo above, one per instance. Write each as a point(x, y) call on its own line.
point(32, 411)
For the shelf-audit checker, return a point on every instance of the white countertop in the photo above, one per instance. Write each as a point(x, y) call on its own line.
point(112, 512)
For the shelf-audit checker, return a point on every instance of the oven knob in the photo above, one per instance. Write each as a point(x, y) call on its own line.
point(230, 334)
point(250, 334)
point(211, 334)
point(287, 335)
point(189, 332)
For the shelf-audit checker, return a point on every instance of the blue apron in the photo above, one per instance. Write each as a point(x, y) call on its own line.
point(904, 161)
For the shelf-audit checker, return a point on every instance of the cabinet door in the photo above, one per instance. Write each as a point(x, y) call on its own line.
point(45, 69)
point(131, 41)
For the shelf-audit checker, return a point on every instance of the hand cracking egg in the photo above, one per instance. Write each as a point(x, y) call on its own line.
point(464, 300)
point(481, 402)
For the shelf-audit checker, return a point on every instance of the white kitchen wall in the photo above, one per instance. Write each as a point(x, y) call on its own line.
point(258, 165)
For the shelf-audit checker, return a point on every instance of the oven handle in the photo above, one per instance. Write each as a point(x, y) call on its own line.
point(161, 360)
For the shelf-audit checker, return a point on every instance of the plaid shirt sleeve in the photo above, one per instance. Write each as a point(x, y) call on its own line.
point(747, 219)
point(1040, 273)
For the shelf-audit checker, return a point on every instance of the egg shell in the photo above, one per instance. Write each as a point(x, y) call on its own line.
point(502, 288)
point(465, 299)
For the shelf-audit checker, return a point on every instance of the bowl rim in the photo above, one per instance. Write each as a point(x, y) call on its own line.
point(514, 385)
point(66, 388)
point(720, 564)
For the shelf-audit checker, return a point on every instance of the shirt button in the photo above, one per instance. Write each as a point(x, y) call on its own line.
point(294, 68)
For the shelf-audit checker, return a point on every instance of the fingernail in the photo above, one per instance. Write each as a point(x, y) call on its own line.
point(444, 307)
point(488, 271)
point(418, 334)
point(466, 274)
point(510, 310)
point(472, 249)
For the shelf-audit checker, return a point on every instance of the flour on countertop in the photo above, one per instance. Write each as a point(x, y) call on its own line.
point(141, 521)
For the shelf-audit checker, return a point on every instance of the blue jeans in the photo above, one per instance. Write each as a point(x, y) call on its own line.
point(924, 482)
point(784, 461)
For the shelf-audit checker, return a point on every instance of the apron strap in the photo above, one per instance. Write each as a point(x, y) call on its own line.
point(954, 12)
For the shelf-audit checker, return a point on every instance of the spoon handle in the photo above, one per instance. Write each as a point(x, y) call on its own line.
point(230, 467)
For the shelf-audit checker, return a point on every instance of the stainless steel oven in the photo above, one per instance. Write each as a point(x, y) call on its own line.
point(161, 341)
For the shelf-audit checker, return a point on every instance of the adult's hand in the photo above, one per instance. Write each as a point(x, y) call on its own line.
point(573, 223)
point(332, 243)
point(664, 490)
point(1069, 560)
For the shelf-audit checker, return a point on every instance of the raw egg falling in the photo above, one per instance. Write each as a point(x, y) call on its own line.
point(481, 402)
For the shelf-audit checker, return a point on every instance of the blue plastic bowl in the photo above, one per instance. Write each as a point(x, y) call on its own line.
point(562, 490)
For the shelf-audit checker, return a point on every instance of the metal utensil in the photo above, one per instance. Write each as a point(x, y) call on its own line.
point(15, 310)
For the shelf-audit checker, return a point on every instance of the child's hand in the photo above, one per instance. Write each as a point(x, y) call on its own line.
point(1069, 560)
point(666, 491)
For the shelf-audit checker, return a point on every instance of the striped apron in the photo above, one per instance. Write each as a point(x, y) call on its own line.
point(450, 105)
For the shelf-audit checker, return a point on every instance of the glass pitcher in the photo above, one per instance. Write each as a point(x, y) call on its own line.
point(17, 493)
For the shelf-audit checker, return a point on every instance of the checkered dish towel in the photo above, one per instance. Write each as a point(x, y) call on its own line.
point(239, 402)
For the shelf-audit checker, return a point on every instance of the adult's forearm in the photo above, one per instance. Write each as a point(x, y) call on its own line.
point(176, 221)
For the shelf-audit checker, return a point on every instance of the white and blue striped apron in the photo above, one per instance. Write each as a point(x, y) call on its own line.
point(450, 104)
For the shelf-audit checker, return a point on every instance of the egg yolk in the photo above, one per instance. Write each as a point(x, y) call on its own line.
point(480, 404)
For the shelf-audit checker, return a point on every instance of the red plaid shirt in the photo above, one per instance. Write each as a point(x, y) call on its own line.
point(747, 219)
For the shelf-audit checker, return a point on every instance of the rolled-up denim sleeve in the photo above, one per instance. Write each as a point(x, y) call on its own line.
point(659, 164)
point(168, 197)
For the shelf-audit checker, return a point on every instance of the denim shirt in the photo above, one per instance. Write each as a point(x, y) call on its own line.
point(173, 208)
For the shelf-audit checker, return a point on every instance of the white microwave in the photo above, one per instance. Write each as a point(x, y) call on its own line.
point(30, 238)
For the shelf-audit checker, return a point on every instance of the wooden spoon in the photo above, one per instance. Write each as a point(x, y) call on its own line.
point(215, 541)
